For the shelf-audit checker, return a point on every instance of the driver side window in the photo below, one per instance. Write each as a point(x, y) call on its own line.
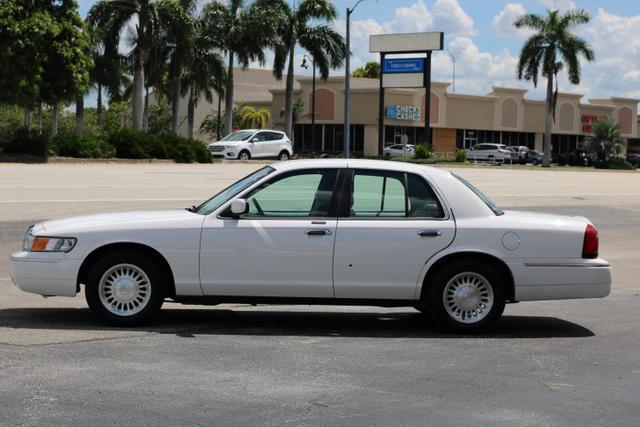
point(302, 194)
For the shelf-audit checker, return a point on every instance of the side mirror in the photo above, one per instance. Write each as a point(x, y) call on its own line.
point(254, 140)
point(239, 207)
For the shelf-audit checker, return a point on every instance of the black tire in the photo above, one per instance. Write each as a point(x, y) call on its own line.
point(534, 162)
point(283, 156)
point(157, 285)
point(435, 296)
point(244, 152)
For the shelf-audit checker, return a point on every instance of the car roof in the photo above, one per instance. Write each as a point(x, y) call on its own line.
point(358, 163)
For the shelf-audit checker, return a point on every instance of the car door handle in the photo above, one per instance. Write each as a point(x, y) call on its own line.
point(318, 232)
point(429, 233)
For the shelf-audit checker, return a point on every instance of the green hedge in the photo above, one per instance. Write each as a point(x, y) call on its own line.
point(27, 142)
point(123, 143)
point(81, 146)
point(620, 164)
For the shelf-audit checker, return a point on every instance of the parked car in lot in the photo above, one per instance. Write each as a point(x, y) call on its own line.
point(350, 232)
point(518, 153)
point(578, 158)
point(534, 157)
point(489, 153)
point(253, 143)
point(634, 159)
point(398, 150)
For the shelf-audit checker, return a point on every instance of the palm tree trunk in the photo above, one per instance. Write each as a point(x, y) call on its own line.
point(228, 100)
point(190, 117)
point(54, 119)
point(548, 112)
point(100, 110)
point(145, 115)
point(138, 89)
point(80, 115)
point(288, 97)
point(27, 118)
point(175, 104)
point(39, 117)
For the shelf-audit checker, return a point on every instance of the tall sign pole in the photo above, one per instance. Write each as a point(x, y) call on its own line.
point(405, 72)
point(347, 87)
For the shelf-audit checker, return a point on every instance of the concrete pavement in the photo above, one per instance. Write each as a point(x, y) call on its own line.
point(565, 362)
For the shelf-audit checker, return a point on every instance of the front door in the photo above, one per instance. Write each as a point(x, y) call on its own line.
point(283, 247)
point(259, 145)
point(394, 223)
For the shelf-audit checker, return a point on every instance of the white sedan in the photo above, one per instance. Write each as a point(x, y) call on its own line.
point(398, 150)
point(351, 232)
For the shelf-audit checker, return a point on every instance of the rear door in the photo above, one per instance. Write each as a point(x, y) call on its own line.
point(390, 224)
point(274, 143)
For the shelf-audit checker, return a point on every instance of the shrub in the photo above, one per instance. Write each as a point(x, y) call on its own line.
point(460, 156)
point(421, 151)
point(84, 146)
point(30, 142)
point(131, 144)
point(619, 164)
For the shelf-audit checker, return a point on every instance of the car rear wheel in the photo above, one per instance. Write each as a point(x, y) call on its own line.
point(534, 162)
point(283, 156)
point(466, 297)
point(125, 288)
point(244, 155)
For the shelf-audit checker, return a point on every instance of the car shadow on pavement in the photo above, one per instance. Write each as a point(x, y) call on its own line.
point(192, 322)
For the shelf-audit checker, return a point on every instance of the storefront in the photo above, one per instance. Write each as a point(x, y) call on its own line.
point(503, 116)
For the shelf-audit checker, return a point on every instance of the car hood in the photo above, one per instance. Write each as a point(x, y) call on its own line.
point(225, 143)
point(117, 221)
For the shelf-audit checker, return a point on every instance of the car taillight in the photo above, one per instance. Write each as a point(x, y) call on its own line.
point(590, 245)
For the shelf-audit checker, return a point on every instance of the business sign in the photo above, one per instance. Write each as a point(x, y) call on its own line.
point(588, 120)
point(406, 42)
point(403, 66)
point(407, 113)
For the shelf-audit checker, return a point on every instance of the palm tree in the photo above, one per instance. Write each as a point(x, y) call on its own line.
point(548, 51)
point(371, 70)
point(205, 74)
point(307, 24)
point(151, 17)
point(252, 118)
point(242, 33)
point(605, 139)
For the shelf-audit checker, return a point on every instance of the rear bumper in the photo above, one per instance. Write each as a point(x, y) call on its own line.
point(48, 274)
point(538, 280)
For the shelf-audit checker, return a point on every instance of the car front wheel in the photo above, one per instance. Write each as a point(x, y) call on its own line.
point(125, 288)
point(466, 297)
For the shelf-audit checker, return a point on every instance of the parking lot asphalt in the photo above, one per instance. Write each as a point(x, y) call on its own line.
point(563, 362)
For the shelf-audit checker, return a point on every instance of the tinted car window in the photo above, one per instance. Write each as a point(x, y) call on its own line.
point(260, 136)
point(302, 194)
point(423, 202)
point(378, 195)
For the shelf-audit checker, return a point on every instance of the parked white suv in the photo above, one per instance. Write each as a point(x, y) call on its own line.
point(490, 153)
point(249, 143)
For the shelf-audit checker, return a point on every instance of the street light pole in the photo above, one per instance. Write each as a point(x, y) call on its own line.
point(313, 102)
point(347, 83)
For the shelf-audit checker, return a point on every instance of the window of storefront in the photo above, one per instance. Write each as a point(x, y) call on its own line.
point(467, 138)
point(329, 138)
point(563, 144)
point(393, 135)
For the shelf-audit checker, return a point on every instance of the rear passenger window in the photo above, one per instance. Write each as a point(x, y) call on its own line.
point(393, 195)
point(423, 202)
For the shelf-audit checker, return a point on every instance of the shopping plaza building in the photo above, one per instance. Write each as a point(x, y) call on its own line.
point(457, 120)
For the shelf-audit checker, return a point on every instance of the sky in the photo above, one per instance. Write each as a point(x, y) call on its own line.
point(480, 35)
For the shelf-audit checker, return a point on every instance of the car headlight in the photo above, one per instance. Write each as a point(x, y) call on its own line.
point(33, 243)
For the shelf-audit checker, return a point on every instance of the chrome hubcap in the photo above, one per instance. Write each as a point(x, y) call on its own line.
point(468, 297)
point(244, 156)
point(125, 290)
point(284, 157)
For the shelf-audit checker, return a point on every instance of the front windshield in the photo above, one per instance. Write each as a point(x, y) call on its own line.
point(487, 201)
point(216, 201)
point(241, 135)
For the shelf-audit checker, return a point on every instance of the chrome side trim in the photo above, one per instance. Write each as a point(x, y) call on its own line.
point(572, 264)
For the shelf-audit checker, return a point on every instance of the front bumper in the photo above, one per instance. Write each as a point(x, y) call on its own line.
point(47, 274)
point(539, 280)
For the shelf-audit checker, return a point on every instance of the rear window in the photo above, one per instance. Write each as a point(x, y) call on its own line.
point(487, 201)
